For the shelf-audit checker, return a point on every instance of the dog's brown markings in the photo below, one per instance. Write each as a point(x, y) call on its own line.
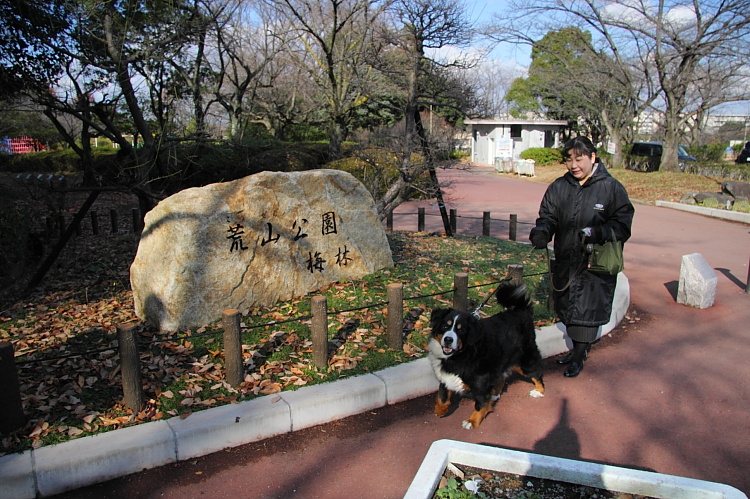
point(538, 386)
point(442, 406)
point(478, 416)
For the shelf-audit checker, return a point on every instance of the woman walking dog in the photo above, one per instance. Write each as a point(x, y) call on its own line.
point(585, 206)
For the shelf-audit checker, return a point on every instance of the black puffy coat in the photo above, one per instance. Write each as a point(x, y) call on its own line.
point(566, 208)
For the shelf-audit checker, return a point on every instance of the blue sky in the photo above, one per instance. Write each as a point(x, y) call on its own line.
point(481, 11)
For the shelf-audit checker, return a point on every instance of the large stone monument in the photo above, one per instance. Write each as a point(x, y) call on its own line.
point(252, 242)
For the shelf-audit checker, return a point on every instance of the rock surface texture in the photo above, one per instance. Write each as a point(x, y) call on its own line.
point(252, 242)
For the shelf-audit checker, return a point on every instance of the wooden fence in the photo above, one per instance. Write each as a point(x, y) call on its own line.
point(453, 220)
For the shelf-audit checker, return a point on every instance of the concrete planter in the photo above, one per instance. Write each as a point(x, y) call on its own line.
point(601, 476)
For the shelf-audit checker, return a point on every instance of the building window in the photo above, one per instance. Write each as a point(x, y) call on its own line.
point(515, 131)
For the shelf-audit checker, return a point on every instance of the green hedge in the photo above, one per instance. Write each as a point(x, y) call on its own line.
point(543, 155)
point(708, 153)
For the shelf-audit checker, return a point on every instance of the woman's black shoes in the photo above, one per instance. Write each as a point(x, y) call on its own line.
point(565, 359)
point(568, 357)
point(575, 366)
point(573, 369)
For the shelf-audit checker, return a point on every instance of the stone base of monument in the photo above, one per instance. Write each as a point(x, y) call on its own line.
point(443, 453)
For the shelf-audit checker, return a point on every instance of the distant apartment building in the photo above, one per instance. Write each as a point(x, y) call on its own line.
point(648, 124)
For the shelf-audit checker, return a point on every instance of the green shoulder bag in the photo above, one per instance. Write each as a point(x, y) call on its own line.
point(607, 258)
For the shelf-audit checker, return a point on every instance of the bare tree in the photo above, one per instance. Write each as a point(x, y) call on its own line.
point(106, 55)
point(245, 48)
point(492, 80)
point(670, 43)
point(336, 34)
point(419, 26)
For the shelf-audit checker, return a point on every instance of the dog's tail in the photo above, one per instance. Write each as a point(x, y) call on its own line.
point(514, 297)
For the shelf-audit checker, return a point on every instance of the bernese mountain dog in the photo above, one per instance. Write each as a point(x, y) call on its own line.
point(472, 357)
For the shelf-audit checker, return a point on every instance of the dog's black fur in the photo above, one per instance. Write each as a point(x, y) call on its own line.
point(472, 357)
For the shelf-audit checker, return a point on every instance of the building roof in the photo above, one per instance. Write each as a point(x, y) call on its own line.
point(516, 122)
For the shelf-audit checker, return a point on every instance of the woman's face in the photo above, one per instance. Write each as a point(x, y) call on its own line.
point(580, 165)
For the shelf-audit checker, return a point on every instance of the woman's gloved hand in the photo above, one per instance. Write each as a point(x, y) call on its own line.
point(538, 239)
point(593, 235)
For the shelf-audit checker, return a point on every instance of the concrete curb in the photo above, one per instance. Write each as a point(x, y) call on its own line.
point(734, 216)
point(78, 463)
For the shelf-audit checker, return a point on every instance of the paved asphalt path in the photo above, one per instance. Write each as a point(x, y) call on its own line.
point(667, 391)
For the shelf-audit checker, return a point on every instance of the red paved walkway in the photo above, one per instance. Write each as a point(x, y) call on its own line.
point(667, 392)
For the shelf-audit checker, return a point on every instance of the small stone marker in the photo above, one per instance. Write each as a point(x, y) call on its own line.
point(697, 287)
point(252, 242)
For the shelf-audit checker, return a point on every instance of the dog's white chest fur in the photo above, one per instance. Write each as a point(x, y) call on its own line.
point(451, 381)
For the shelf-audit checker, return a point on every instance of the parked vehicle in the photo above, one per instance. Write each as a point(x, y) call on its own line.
point(646, 157)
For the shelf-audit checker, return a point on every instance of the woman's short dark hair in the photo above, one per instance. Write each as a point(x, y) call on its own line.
point(581, 145)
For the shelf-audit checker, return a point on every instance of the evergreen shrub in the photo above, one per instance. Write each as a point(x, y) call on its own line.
point(543, 155)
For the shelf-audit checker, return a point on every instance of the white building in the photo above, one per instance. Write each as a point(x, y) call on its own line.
point(493, 140)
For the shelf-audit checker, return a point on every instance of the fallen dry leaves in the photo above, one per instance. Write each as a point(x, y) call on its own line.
point(68, 362)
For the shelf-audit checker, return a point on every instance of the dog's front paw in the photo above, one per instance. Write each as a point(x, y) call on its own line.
point(536, 394)
point(467, 425)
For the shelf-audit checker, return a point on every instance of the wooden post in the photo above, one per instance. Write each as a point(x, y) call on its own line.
point(113, 221)
point(513, 228)
point(233, 347)
point(389, 222)
point(453, 217)
point(420, 219)
point(136, 214)
point(11, 409)
point(130, 363)
point(395, 316)
point(319, 330)
point(461, 293)
point(94, 223)
point(515, 272)
point(486, 223)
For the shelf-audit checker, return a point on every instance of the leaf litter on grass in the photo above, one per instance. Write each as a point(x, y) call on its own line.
point(66, 346)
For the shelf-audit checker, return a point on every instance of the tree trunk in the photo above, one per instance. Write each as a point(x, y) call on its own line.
point(427, 151)
point(669, 161)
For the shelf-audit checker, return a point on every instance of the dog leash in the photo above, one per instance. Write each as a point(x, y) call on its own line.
point(573, 275)
point(475, 313)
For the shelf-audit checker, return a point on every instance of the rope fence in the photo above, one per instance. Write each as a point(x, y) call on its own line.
point(453, 217)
